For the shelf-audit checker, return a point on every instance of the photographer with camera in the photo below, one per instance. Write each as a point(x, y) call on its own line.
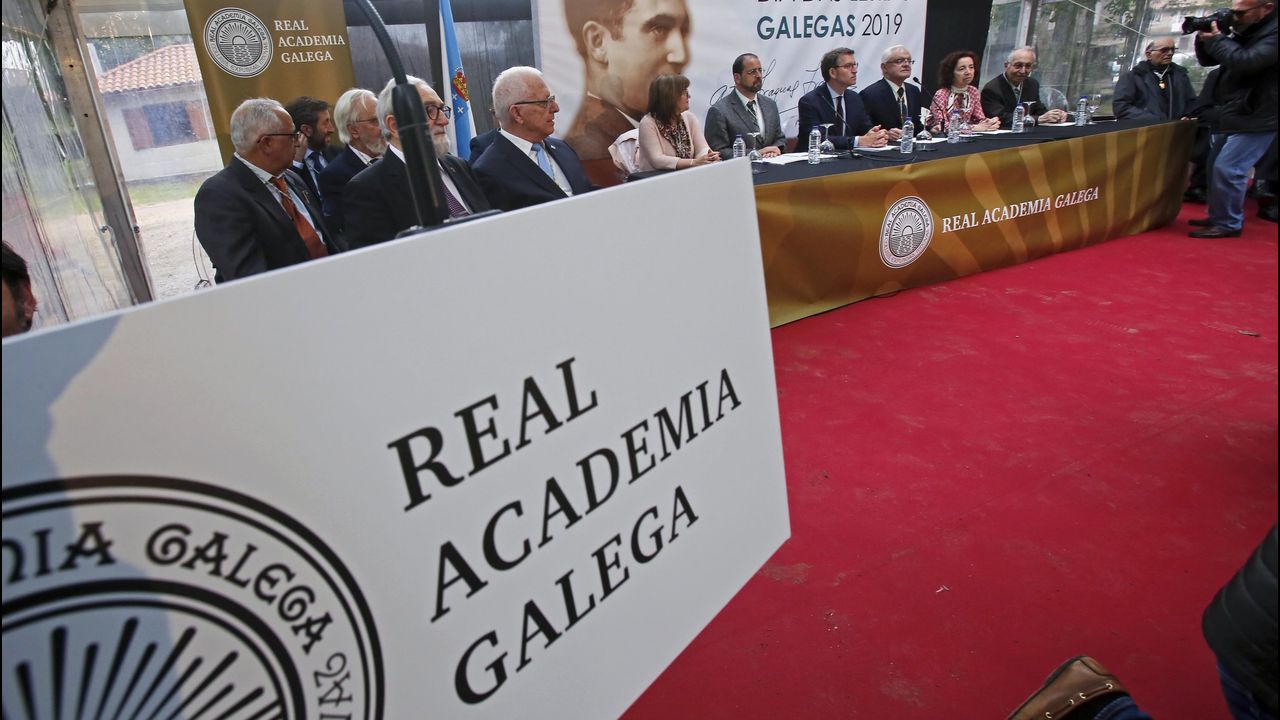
point(1245, 96)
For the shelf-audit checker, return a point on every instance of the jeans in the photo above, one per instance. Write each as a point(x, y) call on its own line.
point(1231, 156)
point(1242, 704)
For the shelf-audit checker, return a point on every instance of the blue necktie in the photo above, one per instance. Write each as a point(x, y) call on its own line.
point(543, 161)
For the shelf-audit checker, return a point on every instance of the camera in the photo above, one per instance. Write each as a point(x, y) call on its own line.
point(1196, 24)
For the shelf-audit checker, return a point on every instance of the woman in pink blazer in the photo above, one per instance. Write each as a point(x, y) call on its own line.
point(670, 136)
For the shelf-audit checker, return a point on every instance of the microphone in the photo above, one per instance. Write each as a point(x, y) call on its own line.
point(915, 80)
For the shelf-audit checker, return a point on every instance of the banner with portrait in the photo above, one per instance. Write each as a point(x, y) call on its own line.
point(279, 49)
point(612, 49)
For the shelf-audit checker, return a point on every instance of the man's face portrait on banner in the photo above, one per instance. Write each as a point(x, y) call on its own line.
point(627, 43)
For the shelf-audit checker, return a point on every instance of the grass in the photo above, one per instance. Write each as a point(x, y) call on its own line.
point(154, 192)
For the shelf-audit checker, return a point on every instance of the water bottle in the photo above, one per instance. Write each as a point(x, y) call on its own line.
point(953, 127)
point(1019, 119)
point(739, 147)
point(908, 144)
point(815, 139)
point(1082, 111)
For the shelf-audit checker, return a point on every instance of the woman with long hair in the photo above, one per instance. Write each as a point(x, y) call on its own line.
point(670, 136)
point(958, 89)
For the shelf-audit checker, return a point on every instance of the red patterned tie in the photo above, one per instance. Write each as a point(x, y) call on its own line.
point(315, 246)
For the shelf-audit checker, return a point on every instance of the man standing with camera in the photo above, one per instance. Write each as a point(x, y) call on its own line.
point(1245, 96)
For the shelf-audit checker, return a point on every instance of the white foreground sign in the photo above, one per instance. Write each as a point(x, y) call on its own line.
point(506, 469)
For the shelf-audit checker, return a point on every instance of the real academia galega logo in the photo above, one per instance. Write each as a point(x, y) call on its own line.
point(238, 42)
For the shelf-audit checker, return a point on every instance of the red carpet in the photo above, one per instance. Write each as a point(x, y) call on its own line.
point(991, 475)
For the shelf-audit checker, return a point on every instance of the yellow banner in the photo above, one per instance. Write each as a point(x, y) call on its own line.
point(268, 48)
point(838, 239)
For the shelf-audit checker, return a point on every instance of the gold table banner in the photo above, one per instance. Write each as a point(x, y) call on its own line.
point(837, 239)
point(279, 49)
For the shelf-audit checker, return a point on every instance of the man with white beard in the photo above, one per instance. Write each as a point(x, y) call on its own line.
point(378, 204)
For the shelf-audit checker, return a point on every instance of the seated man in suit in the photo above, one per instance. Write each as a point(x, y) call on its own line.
point(745, 112)
point(312, 118)
point(356, 116)
point(1015, 85)
point(480, 143)
point(254, 215)
point(378, 201)
point(834, 102)
point(525, 165)
point(891, 99)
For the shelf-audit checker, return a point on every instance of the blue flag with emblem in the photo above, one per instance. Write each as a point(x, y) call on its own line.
point(456, 85)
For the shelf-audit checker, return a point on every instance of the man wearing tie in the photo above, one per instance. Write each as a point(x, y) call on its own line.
point(891, 99)
point(1015, 86)
point(835, 103)
point(526, 165)
point(254, 215)
point(745, 112)
point(311, 118)
point(378, 202)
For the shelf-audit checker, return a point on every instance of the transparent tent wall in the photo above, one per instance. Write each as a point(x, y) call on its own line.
point(1083, 46)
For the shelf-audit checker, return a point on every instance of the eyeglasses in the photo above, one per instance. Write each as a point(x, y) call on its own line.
point(1162, 50)
point(901, 61)
point(544, 103)
point(848, 66)
point(1023, 66)
point(433, 111)
point(295, 135)
point(366, 120)
point(1246, 11)
point(757, 71)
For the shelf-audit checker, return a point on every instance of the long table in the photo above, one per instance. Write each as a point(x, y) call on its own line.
point(856, 227)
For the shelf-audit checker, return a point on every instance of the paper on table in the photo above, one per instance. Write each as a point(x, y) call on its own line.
point(789, 158)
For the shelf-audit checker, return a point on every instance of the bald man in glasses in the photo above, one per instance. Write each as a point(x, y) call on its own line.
point(1156, 88)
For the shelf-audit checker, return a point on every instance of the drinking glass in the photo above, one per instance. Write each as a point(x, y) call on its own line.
point(1027, 119)
point(826, 145)
point(1095, 102)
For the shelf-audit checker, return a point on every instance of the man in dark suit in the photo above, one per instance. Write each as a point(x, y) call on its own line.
point(254, 215)
point(311, 117)
point(624, 45)
point(378, 201)
point(745, 112)
point(356, 117)
point(480, 143)
point(891, 99)
point(836, 103)
point(1015, 85)
point(525, 165)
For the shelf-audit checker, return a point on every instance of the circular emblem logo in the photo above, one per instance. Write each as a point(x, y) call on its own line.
point(905, 232)
point(156, 597)
point(238, 42)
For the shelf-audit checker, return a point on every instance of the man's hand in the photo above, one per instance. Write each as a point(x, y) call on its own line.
point(895, 133)
point(771, 151)
point(1055, 115)
point(1210, 33)
point(875, 137)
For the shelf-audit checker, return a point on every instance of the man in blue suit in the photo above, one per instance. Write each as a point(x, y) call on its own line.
point(836, 103)
point(891, 99)
point(526, 165)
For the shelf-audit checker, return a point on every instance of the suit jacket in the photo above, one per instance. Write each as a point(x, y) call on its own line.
point(816, 109)
point(594, 129)
point(244, 229)
point(729, 118)
point(881, 102)
point(333, 180)
point(379, 204)
point(512, 180)
point(480, 143)
point(300, 168)
point(998, 99)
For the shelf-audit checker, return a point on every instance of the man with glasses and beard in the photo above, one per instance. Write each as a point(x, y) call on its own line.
point(379, 202)
point(745, 112)
point(255, 215)
point(1156, 89)
point(356, 117)
point(526, 165)
point(1245, 99)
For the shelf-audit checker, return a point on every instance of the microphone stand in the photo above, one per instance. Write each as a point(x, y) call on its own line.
point(425, 186)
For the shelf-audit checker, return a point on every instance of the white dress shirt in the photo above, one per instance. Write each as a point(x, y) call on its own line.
point(526, 147)
point(444, 177)
point(266, 179)
point(759, 115)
